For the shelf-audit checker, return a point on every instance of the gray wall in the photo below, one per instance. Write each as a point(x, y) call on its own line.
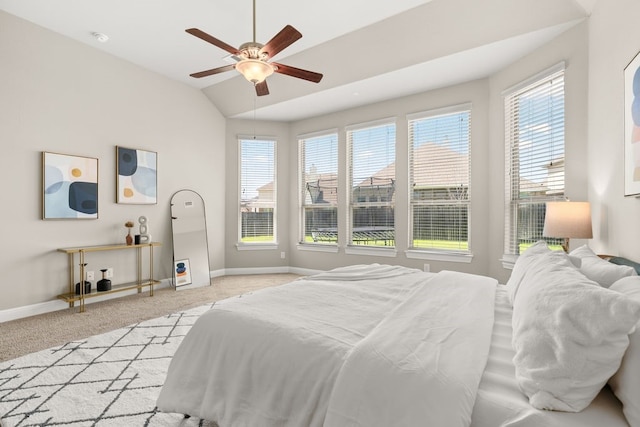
point(49, 92)
point(63, 96)
point(487, 157)
point(614, 39)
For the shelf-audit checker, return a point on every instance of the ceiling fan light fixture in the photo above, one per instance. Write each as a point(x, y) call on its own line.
point(254, 70)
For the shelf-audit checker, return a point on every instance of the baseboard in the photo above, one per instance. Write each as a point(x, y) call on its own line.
point(55, 305)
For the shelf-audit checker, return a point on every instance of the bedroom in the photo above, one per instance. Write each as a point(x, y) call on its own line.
point(49, 105)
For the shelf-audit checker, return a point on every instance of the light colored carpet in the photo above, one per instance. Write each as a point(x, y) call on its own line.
point(28, 335)
point(86, 376)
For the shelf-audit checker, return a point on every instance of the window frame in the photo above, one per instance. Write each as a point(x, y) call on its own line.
point(302, 189)
point(513, 145)
point(456, 255)
point(388, 250)
point(272, 244)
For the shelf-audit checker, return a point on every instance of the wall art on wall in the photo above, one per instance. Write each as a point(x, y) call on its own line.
point(69, 186)
point(136, 176)
point(182, 272)
point(632, 127)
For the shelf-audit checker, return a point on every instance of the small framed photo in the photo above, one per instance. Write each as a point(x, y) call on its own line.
point(136, 176)
point(182, 272)
point(632, 127)
point(69, 186)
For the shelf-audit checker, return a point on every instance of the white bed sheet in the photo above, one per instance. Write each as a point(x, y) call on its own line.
point(499, 402)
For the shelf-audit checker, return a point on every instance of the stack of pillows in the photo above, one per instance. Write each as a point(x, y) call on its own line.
point(576, 326)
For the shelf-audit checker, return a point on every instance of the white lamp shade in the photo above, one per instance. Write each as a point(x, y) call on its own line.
point(568, 220)
point(254, 70)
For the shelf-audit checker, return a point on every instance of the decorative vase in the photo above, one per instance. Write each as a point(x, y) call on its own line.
point(104, 284)
point(129, 239)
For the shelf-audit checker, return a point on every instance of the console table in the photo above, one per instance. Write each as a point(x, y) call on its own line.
point(71, 297)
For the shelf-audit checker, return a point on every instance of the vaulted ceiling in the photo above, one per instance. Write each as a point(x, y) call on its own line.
point(368, 50)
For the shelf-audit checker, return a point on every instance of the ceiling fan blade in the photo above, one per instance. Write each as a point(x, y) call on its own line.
point(213, 71)
point(297, 72)
point(281, 41)
point(262, 88)
point(214, 41)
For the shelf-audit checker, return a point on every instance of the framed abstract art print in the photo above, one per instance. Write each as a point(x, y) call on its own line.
point(136, 176)
point(69, 186)
point(632, 127)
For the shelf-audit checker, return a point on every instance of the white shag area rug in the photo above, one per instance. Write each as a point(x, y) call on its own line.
point(112, 379)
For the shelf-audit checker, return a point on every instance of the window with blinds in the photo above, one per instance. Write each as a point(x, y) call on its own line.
point(439, 167)
point(257, 191)
point(534, 170)
point(318, 174)
point(372, 181)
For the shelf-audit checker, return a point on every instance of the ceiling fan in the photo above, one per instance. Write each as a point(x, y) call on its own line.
point(253, 57)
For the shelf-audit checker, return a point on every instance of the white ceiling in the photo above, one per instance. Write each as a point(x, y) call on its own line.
point(368, 50)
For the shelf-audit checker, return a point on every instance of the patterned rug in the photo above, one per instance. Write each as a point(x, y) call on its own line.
point(111, 379)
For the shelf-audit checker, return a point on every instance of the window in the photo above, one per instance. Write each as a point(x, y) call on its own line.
point(439, 143)
point(372, 179)
point(534, 170)
point(257, 191)
point(318, 166)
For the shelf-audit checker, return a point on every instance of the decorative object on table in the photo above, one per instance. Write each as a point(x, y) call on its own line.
point(104, 284)
point(182, 272)
point(69, 186)
point(87, 287)
point(87, 284)
point(145, 237)
point(136, 172)
point(632, 127)
point(568, 219)
point(128, 237)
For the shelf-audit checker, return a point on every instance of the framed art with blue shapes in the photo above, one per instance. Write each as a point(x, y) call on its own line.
point(136, 176)
point(182, 272)
point(632, 127)
point(69, 186)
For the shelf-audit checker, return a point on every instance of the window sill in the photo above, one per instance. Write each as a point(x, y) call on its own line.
point(256, 246)
point(317, 247)
point(371, 251)
point(440, 256)
point(508, 261)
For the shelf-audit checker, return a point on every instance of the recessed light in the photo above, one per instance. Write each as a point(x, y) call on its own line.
point(102, 38)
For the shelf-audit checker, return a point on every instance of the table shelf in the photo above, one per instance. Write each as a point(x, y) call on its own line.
point(140, 284)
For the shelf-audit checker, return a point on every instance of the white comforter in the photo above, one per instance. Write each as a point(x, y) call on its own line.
point(375, 346)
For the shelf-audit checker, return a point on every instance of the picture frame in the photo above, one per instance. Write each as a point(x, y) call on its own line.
point(136, 176)
point(69, 186)
point(632, 127)
point(182, 272)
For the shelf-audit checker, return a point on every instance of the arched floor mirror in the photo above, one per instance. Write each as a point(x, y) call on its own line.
point(190, 247)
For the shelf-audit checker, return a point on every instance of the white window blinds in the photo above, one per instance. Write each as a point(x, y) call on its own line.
point(439, 168)
point(257, 191)
point(318, 166)
point(372, 180)
point(534, 154)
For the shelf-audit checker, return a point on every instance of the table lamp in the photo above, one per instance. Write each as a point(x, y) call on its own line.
point(568, 219)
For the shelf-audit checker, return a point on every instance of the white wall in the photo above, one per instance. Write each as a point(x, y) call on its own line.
point(62, 96)
point(614, 39)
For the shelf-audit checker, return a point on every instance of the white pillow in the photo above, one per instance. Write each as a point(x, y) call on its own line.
point(569, 334)
point(626, 382)
point(600, 270)
point(522, 265)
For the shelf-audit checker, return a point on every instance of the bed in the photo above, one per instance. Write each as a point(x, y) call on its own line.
point(381, 345)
